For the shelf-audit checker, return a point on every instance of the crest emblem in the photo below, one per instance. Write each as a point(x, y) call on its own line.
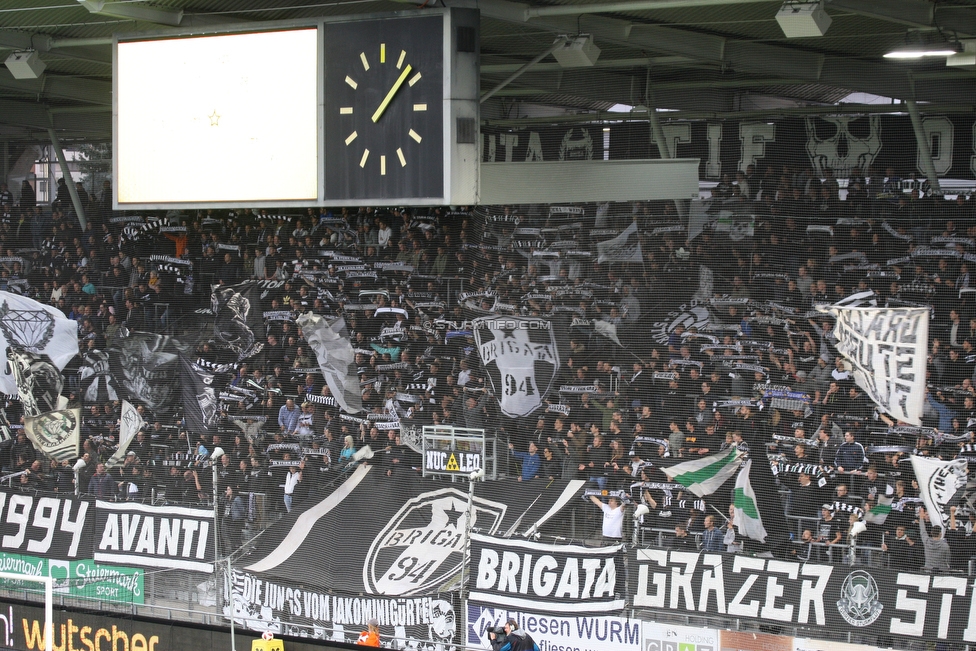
point(423, 545)
point(521, 359)
point(859, 604)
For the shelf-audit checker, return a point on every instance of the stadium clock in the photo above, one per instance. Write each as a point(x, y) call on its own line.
point(388, 130)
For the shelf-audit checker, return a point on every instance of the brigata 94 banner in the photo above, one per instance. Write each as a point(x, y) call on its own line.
point(836, 597)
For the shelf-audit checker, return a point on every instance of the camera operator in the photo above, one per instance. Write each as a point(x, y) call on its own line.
point(515, 639)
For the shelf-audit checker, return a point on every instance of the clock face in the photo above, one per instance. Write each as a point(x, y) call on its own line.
point(384, 123)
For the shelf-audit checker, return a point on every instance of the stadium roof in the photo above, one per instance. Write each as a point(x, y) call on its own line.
point(699, 57)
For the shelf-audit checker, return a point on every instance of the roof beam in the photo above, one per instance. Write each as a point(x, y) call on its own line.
point(883, 78)
point(81, 90)
point(914, 13)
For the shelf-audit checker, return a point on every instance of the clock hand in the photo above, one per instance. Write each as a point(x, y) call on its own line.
point(389, 96)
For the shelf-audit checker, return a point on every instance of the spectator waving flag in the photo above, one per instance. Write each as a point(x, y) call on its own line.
point(747, 518)
point(888, 349)
point(878, 513)
point(129, 425)
point(335, 356)
point(706, 475)
point(941, 485)
point(623, 248)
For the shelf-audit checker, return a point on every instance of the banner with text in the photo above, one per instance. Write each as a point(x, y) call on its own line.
point(154, 536)
point(84, 579)
point(774, 592)
point(519, 574)
point(261, 605)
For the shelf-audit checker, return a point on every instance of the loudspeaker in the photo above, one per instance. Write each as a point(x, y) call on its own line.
point(803, 19)
point(579, 52)
point(25, 65)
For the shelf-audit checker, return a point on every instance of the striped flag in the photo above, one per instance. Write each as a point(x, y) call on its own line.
point(706, 475)
point(747, 518)
point(878, 513)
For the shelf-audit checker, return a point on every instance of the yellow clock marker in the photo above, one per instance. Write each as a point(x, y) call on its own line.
point(382, 52)
point(403, 161)
point(362, 161)
point(419, 107)
point(362, 57)
point(382, 165)
point(345, 110)
point(351, 137)
point(389, 96)
point(352, 82)
point(416, 136)
point(415, 79)
point(403, 55)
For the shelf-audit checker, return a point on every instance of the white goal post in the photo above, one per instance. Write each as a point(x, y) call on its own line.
point(48, 602)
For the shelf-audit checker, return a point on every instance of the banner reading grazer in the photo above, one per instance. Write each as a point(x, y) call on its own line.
point(520, 574)
point(872, 601)
point(888, 348)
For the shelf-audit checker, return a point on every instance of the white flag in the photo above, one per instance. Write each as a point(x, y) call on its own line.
point(887, 348)
point(335, 356)
point(747, 518)
point(941, 484)
point(129, 425)
point(623, 248)
point(37, 328)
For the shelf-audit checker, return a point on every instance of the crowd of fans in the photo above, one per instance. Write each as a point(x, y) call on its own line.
point(762, 361)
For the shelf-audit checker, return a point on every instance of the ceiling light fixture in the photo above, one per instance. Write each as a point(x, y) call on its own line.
point(919, 44)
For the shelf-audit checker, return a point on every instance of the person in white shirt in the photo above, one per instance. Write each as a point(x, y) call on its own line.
point(613, 517)
point(291, 482)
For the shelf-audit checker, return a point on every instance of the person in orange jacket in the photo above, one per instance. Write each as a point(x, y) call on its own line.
point(371, 636)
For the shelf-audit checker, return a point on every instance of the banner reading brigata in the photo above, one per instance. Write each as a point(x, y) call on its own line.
point(769, 591)
point(555, 578)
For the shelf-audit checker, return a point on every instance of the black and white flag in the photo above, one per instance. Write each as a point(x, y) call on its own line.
point(38, 380)
point(336, 358)
point(521, 358)
point(238, 318)
point(97, 382)
point(37, 329)
point(200, 399)
point(941, 485)
point(888, 348)
point(146, 368)
point(623, 248)
point(56, 434)
point(129, 425)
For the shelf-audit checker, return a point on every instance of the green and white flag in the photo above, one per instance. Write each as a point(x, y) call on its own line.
point(747, 518)
point(878, 513)
point(706, 475)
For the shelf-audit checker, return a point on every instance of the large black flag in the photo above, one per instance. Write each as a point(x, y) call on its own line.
point(146, 369)
point(238, 318)
point(412, 543)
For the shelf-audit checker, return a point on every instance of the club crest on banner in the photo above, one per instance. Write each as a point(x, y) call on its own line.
point(521, 359)
point(859, 604)
point(423, 545)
